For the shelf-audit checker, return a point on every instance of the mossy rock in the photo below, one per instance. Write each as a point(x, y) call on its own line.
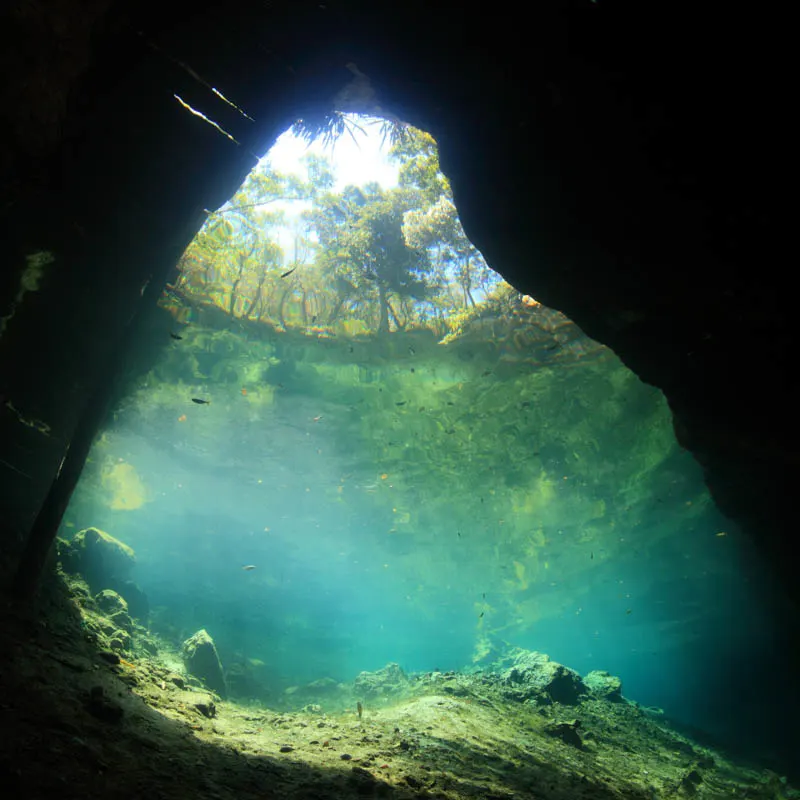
point(101, 559)
point(601, 684)
point(201, 660)
point(534, 677)
point(384, 683)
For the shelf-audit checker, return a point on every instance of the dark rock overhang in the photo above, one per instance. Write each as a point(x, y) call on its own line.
point(617, 163)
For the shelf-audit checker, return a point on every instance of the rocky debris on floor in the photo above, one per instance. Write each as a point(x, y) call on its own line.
point(201, 660)
point(81, 722)
point(106, 622)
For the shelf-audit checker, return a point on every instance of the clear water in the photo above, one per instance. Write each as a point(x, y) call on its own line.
point(422, 499)
point(431, 506)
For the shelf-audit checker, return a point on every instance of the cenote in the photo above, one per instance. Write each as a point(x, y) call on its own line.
point(311, 491)
point(369, 470)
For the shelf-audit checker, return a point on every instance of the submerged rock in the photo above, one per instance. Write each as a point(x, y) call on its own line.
point(533, 676)
point(386, 682)
point(100, 558)
point(566, 731)
point(201, 660)
point(111, 602)
point(604, 685)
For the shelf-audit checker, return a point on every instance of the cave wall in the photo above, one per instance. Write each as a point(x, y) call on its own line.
point(618, 163)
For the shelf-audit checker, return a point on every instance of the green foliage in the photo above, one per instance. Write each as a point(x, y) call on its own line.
point(364, 255)
point(363, 260)
point(418, 157)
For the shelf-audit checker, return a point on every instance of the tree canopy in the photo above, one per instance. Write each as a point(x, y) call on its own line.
point(361, 260)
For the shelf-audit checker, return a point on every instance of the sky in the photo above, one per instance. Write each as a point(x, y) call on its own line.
point(356, 159)
point(355, 162)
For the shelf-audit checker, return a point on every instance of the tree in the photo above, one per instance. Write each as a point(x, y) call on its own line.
point(235, 261)
point(418, 156)
point(438, 229)
point(364, 253)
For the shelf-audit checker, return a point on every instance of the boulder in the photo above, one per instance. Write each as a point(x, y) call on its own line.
point(201, 660)
point(604, 685)
point(115, 609)
point(386, 682)
point(110, 602)
point(102, 560)
point(201, 702)
point(533, 676)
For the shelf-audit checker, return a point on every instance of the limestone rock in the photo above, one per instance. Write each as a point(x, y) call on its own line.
point(391, 680)
point(201, 702)
point(110, 602)
point(120, 640)
point(533, 676)
point(201, 660)
point(100, 558)
point(566, 731)
point(601, 684)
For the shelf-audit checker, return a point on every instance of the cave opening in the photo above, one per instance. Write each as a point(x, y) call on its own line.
point(345, 444)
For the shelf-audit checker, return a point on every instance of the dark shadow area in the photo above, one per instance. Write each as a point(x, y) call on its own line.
point(622, 163)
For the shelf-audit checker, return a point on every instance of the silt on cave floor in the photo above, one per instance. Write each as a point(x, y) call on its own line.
point(81, 722)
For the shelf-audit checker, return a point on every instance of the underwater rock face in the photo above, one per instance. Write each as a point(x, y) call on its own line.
point(533, 675)
point(601, 684)
point(390, 680)
point(100, 558)
point(201, 660)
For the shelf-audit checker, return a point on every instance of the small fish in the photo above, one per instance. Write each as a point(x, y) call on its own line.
point(628, 610)
point(480, 616)
point(182, 418)
point(288, 272)
point(317, 419)
point(200, 401)
point(401, 403)
point(175, 336)
point(248, 567)
point(359, 709)
point(721, 533)
point(411, 351)
point(244, 392)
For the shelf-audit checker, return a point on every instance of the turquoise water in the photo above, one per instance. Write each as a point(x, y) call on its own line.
point(422, 508)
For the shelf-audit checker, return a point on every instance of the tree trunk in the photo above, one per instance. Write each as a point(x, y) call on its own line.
point(383, 299)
